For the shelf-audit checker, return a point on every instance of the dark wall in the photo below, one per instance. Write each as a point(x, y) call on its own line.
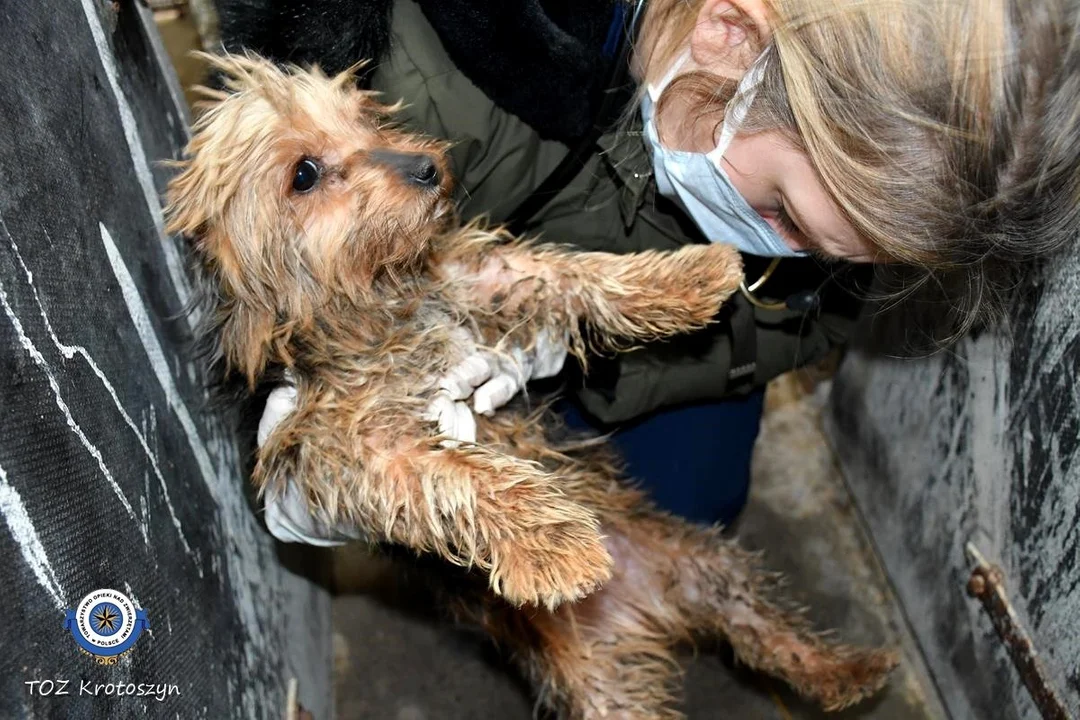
point(114, 472)
point(978, 443)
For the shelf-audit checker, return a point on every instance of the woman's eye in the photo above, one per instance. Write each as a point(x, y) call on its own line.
point(783, 219)
point(305, 176)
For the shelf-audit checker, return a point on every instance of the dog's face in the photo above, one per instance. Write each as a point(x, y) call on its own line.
point(296, 187)
point(291, 171)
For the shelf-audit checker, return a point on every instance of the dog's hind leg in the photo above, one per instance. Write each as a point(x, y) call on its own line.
point(597, 659)
point(719, 590)
point(604, 659)
point(673, 582)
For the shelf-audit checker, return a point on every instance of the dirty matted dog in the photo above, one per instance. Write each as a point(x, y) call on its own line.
point(329, 246)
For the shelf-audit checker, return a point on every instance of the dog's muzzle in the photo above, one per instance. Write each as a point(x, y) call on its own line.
point(418, 169)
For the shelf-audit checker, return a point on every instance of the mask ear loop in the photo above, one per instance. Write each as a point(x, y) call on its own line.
point(748, 292)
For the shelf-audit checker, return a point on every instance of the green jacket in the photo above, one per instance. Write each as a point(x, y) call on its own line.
point(612, 205)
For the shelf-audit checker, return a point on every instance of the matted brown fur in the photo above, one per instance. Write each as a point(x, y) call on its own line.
point(367, 290)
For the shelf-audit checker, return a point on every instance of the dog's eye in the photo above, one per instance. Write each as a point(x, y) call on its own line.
point(306, 175)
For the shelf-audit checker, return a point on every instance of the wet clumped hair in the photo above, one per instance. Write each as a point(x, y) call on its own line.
point(947, 131)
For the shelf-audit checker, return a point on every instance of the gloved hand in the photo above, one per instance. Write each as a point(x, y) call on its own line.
point(490, 377)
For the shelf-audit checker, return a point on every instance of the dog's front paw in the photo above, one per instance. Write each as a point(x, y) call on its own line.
point(704, 278)
point(678, 291)
point(554, 564)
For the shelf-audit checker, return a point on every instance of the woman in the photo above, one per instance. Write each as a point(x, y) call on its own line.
point(941, 134)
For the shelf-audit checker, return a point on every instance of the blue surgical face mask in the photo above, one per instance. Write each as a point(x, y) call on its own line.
point(698, 182)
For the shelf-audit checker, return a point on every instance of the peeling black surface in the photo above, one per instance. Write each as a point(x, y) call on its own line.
point(977, 443)
point(74, 370)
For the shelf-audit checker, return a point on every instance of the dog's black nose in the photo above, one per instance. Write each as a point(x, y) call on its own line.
point(415, 168)
point(424, 171)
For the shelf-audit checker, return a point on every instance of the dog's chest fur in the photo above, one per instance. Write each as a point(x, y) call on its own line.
point(395, 353)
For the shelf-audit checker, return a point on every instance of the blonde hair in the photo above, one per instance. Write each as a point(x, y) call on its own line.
point(948, 131)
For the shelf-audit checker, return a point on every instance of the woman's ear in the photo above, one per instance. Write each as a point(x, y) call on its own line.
point(729, 35)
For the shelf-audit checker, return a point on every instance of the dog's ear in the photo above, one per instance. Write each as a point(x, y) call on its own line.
point(222, 136)
point(187, 200)
point(241, 319)
point(197, 194)
point(194, 209)
point(248, 339)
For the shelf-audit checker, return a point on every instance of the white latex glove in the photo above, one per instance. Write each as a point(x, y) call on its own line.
point(491, 378)
point(288, 517)
point(290, 520)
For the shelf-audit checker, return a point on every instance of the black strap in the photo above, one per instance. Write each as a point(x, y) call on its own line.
point(743, 368)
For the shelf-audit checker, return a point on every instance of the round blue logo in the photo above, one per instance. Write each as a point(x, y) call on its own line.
point(106, 623)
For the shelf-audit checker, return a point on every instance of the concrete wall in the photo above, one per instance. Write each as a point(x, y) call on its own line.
point(978, 444)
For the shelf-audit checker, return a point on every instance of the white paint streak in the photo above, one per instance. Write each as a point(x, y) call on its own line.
point(219, 478)
point(988, 392)
point(33, 552)
point(140, 318)
point(138, 155)
point(54, 385)
point(144, 508)
point(69, 352)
